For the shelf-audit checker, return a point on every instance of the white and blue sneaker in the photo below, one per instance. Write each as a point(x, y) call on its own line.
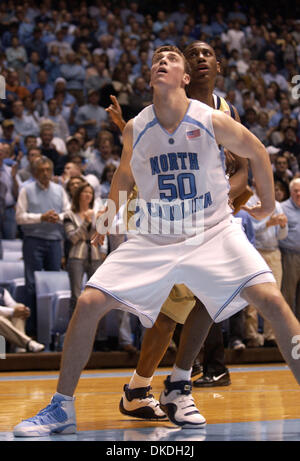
point(57, 418)
point(178, 403)
point(139, 403)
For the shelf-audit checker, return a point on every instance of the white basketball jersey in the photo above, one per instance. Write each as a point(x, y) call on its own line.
point(181, 176)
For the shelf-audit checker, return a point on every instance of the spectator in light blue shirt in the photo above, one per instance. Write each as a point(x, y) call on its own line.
point(74, 74)
point(91, 115)
point(43, 84)
point(290, 249)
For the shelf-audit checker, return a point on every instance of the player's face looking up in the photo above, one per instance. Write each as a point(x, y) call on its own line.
point(202, 60)
point(169, 67)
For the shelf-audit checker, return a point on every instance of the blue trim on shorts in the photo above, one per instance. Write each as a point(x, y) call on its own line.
point(237, 292)
point(120, 300)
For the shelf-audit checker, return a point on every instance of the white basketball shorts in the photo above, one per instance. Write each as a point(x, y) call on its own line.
point(141, 273)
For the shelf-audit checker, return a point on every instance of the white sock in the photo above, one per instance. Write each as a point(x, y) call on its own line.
point(66, 397)
point(178, 374)
point(139, 381)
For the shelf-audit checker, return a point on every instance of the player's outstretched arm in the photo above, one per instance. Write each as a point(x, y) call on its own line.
point(121, 187)
point(237, 139)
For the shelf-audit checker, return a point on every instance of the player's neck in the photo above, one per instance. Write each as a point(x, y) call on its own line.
point(202, 93)
point(170, 109)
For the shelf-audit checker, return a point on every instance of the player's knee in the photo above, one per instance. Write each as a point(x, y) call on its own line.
point(90, 300)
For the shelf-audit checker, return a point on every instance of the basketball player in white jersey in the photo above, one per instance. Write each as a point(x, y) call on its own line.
point(194, 177)
point(137, 400)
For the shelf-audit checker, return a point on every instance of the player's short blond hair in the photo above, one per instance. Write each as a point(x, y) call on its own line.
point(176, 50)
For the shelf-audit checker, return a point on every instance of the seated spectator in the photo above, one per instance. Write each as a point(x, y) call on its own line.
point(274, 76)
point(97, 75)
point(39, 103)
point(73, 184)
point(49, 149)
point(163, 38)
point(61, 129)
point(73, 147)
point(35, 45)
point(218, 25)
point(91, 115)
point(59, 144)
point(25, 26)
point(16, 55)
point(63, 46)
point(262, 130)
point(13, 318)
point(220, 89)
point(284, 111)
point(24, 125)
point(85, 37)
point(250, 119)
point(52, 63)
point(272, 105)
point(282, 171)
point(235, 37)
point(123, 88)
point(140, 98)
point(102, 154)
point(281, 191)
point(106, 179)
point(43, 84)
point(29, 107)
point(243, 64)
point(70, 170)
point(74, 74)
point(7, 136)
point(277, 135)
point(14, 90)
point(290, 143)
point(25, 175)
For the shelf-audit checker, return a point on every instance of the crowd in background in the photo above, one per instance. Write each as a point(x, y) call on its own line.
point(63, 60)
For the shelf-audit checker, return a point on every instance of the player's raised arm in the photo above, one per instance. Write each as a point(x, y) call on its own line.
point(121, 187)
point(236, 138)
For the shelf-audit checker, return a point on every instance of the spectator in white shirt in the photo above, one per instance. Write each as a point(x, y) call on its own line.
point(13, 316)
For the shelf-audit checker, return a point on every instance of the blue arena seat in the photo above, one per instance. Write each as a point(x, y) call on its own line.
point(18, 290)
point(10, 270)
point(12, 245)
point(61, 311)
point(48, 284)
point(12, 255)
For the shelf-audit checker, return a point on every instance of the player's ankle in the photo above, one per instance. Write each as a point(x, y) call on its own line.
point(139, 381)
point(179, 374)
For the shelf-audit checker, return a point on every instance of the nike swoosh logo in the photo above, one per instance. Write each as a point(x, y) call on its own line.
point(216, 378)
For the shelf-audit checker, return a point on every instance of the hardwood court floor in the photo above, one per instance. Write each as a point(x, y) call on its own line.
point(262, 403)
